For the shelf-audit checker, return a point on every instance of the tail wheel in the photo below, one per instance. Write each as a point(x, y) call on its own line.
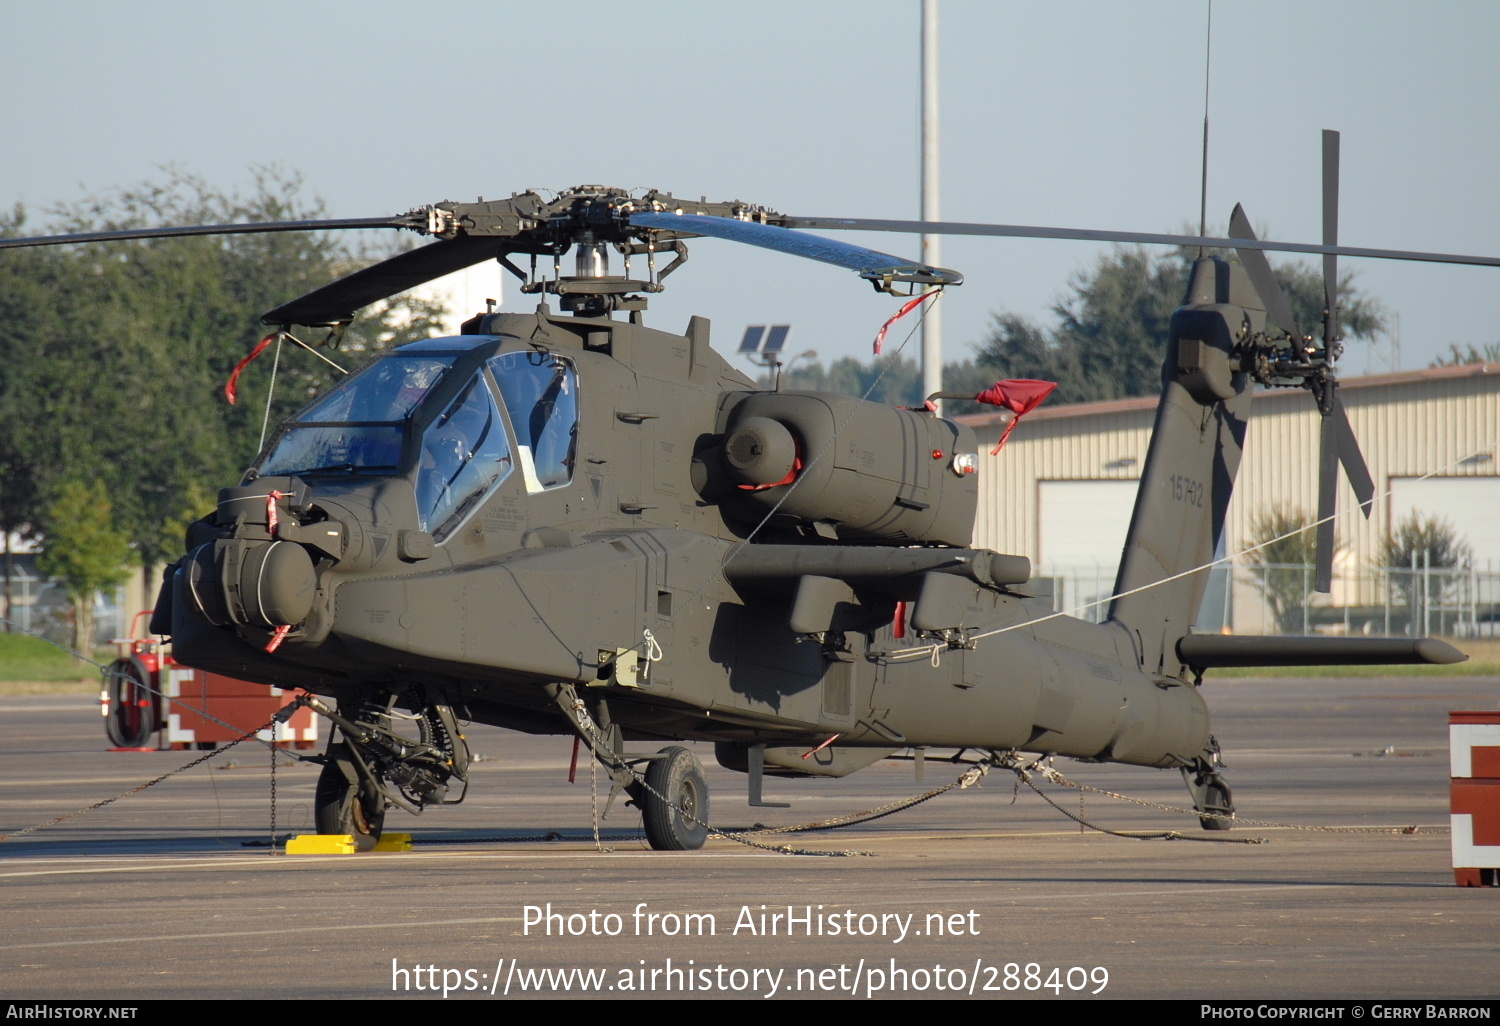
point(345, 803)
point(1216, 799)
point(130, 718)
point(675, 805)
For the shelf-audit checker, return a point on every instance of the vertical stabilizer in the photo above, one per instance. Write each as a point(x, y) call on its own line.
point(1191, 465)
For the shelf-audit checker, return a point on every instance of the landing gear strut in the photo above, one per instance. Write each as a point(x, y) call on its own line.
point(672, 797)
point(374, 767)
point(1211, 796)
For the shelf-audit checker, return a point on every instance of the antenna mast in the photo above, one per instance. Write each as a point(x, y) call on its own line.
point(1208, 43)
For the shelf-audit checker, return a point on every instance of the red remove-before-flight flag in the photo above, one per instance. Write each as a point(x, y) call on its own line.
point(1020, 396)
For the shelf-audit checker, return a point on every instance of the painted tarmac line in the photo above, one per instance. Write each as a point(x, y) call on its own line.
point(387, 860)
point(405, 924)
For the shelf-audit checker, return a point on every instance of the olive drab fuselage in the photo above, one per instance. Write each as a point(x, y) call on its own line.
point(580, 525)
point(770, 609)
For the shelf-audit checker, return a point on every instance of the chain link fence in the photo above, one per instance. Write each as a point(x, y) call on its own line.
point(1460, 602)
point(41, 605)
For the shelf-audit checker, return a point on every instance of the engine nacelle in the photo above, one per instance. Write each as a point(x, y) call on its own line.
point(861, 470)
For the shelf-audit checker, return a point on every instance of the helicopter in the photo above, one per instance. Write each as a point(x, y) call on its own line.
point(568, 522)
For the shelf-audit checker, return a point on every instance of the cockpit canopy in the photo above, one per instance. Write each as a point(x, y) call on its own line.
point(358, 426)
point(400, 417)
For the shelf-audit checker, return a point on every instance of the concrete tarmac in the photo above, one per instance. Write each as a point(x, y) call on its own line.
point(987, 893)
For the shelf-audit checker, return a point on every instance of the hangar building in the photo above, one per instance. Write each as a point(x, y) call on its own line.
point(1063, 489)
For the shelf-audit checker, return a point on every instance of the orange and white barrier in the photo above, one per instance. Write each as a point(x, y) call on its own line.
point(1474, 758)
point(241, 704)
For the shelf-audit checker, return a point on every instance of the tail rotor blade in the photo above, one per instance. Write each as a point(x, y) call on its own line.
point(1337, 445)
point(1350, 456)
point(1259, 269)
point(1330, 236)
point(1328, 462)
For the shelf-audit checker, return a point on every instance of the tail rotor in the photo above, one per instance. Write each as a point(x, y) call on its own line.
point(1301, 361)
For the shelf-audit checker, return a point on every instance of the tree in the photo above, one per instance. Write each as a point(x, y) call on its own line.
point(897, 381)
point(1459, 356)
point(1416, 545)
point(1283, 549)
point(24, 315)
point(85, 551)
point(1425, 541)
point(885, 380)
point(1111, 334)
point(113, 357)
point(1109, 341)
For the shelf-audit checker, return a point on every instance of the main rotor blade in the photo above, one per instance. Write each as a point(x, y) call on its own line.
point(336, 302)
point(868, 263)
point(1261, 276)
point(1021, 231)
point(1330, 236)
point(253, 228)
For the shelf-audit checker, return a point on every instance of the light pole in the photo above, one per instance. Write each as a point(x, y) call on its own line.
point(932, 321)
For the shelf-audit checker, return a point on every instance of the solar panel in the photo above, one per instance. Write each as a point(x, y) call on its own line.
point(777, 338)
point(751, 342)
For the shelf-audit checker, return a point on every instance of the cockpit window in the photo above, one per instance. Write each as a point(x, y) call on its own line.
point(327, 448)
point(465, 455)
point(541, 393)
point(385, 391)
point(358, 427)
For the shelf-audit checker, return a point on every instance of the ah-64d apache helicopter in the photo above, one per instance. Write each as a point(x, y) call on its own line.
point(571, 523)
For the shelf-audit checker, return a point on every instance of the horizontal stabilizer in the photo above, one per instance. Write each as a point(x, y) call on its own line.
point(1201, 651)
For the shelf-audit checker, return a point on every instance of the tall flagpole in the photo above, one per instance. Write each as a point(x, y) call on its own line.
point(932, 323)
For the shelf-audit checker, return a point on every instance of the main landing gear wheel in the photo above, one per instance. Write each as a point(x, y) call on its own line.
point(675, 804)
point(345, 803)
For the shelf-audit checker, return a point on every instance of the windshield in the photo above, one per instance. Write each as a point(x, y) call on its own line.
point(541, 393)
point(331, 447)
point(384, 391)
point(465, 455)
point(359, 425)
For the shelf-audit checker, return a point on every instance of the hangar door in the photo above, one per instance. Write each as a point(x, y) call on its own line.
point(1081, 528)
point(1471, 504)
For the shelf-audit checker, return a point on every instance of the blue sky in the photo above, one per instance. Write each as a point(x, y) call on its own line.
point(1072, 113)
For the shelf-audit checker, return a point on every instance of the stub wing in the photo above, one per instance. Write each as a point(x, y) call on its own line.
point(1203, 651)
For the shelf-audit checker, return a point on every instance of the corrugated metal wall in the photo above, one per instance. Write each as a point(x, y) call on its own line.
point(1444, 421)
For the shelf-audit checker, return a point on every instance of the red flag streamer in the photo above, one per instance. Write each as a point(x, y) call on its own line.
point(822, 746)
point(791, 475)
point(1020, 396)
point(271, 518)
point(278, 637)
point(234, 375)
point(906, 308)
